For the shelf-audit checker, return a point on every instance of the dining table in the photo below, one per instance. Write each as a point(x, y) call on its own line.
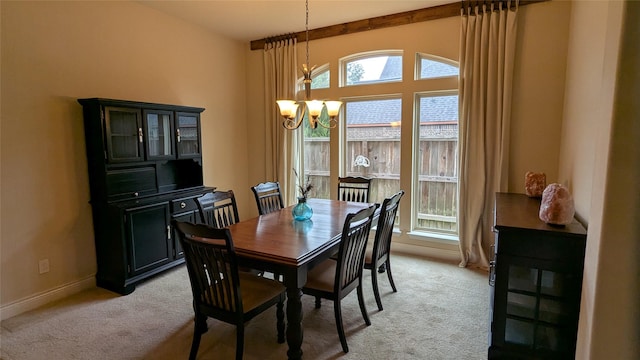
point(277, 243)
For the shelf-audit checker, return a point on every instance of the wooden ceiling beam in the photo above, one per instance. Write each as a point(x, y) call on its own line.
point(380, 22)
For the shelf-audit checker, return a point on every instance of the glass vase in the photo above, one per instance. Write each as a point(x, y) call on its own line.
point(302, 211)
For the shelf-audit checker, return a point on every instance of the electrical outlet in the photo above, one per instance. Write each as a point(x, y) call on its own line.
point(43, 266)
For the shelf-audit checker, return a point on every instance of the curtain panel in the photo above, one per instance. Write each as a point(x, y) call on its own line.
point(281, 153)
point(487, 50)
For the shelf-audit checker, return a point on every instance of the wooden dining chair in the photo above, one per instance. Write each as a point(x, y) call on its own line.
point(354, 188)
point(268, 197)
point(335, 279)
point(219, 290)
point(218, 209)
point(377, 258)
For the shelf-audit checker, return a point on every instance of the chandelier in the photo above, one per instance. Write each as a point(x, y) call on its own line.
point(289, 108)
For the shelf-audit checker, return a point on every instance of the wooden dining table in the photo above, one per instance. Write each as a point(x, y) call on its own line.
point(276, 243)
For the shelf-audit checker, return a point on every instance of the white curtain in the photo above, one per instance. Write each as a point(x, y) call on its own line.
point(487, 48)
point(281, 153)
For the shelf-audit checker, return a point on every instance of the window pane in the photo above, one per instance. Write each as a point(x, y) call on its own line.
point(320, 80)
point(374, 69)
point(437, 163)
point(430, 69)
point(317, 156)
point(373, 144)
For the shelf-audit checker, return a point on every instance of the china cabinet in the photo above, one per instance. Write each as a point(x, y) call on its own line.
point(536, 282)
point(145, 169)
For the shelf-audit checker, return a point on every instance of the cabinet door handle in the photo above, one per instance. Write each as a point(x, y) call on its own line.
point(492, 266)
point(169, 232)
point(178, 134)
point(140, 134)
point(183, 205)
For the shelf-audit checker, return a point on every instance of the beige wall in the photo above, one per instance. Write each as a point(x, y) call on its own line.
point(601, 163)
point(56, 52)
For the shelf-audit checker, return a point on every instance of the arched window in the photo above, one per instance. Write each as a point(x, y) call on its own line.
point(433, 67)
point(372, 135)
point(371, 68)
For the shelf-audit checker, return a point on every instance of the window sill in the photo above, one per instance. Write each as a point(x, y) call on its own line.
point(433, 237)
point(439, 246)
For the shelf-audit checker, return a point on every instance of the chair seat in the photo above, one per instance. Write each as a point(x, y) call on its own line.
point(257, 290)
point(322, 277)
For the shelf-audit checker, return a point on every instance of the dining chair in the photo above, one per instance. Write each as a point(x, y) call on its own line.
point(219, 290)
point(335, 279)
point(354, 188)
point(218, 209)
point(377, 258)
point(268, 197)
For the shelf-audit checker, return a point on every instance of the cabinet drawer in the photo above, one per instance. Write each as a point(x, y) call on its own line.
point(184, 205)
point(131, 182)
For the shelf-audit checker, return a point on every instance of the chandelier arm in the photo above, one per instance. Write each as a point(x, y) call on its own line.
point(332, 123)
point(291, 123)
point(295, 122)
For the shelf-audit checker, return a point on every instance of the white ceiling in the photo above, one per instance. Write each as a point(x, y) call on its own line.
point(248, 20)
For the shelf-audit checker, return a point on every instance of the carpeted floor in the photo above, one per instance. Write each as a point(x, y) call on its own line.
point(439, 312)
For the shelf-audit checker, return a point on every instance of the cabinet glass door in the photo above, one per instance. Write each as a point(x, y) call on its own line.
point(538, 311)
point(188, 135)
point(124, 134)
point(158, 130)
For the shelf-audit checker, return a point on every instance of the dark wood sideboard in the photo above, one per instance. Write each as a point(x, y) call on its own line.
point(536, 282)
point(145, 169)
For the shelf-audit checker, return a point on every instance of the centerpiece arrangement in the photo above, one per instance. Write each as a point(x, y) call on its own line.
point(302, 211)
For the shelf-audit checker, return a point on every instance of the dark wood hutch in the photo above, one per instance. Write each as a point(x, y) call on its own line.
point(536, 282)
point(145, 169)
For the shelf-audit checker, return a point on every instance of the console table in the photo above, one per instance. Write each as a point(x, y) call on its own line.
point(536, 282)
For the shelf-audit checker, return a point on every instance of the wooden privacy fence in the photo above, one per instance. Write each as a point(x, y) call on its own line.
point(436, 197)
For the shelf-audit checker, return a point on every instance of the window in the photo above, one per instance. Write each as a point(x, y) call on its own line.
point(371, 135)
point(372, 148)
point(435, 169)
point(370, 68)
point(316, 142)
point(433, 67)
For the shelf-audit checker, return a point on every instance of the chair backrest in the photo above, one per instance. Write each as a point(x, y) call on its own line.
point(384, 231)
point(213, 269)
point(354, 188)
point(218, 209)
point(268, 197)
point(352, 249)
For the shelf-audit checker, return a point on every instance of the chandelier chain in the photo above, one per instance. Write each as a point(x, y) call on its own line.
point(306, 25)
point(312, 108)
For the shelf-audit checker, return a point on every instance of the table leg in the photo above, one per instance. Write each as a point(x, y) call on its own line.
point(294, 322)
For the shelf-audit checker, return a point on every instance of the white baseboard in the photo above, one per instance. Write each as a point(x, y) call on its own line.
point(29, 303)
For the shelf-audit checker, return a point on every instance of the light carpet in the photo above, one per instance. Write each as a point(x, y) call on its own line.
point(439, 312)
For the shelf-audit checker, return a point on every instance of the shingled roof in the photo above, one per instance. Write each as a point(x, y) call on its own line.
point(386, 111)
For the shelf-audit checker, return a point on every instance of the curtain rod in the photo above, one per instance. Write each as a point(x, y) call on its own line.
point(380, 22)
